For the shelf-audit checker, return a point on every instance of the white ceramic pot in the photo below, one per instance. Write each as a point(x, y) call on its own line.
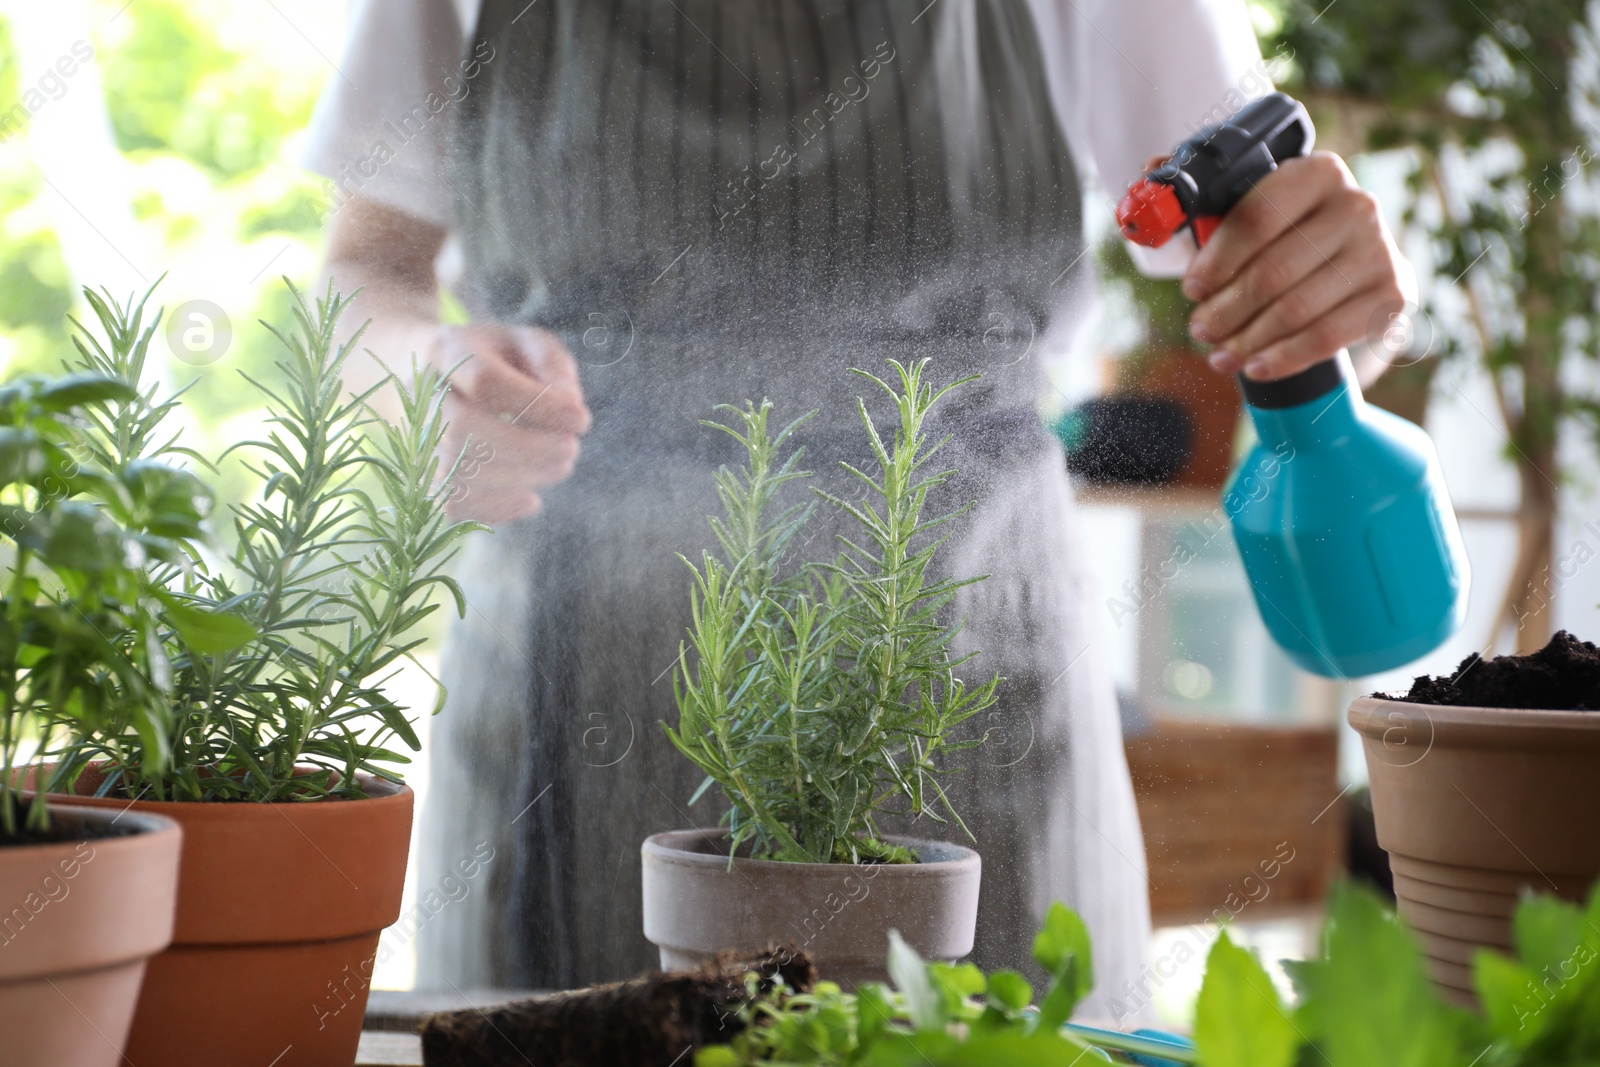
point(696, 904)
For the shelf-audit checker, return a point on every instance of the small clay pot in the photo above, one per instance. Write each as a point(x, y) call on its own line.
point(279, 911)
point(1476, 806)
point(696, 905)
point(78, 920)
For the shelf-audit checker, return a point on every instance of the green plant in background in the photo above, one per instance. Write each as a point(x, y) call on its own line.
point(35, 286)
point(817, 697)
point(83, 621)
point(277, 655)
point(204, 128)
point(1494, 100)
point(1365, 1000)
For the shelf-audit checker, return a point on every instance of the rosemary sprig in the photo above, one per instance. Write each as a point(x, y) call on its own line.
point(816, 698)
point(279, 653)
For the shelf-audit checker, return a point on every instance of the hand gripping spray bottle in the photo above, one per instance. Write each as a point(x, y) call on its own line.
point(1339, 511)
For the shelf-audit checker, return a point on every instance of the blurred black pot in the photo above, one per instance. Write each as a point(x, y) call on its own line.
point(1127, 440)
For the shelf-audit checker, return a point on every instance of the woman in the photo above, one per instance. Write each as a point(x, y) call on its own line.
point(652, 207)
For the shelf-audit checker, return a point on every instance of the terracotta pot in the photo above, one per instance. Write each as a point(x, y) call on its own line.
point(279, 911)
point(78, 919)
point(840, 913)
point(1476, 806)
point(1211, 399)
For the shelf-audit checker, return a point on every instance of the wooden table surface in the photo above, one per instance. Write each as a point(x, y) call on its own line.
point(379, 1049)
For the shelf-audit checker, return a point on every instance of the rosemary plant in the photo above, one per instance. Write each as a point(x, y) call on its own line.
point(819, 696)
point(329, 575)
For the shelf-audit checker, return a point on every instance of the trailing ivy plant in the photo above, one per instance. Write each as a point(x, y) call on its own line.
point(328, 575)
point(816, 695)
point(1365, 1000)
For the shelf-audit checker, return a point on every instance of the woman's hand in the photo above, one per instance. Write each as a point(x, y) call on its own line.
point(515, 407)
point(516, 412)
point(1296, 271)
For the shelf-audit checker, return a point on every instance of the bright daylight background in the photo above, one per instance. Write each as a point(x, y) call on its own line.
point(172, 153)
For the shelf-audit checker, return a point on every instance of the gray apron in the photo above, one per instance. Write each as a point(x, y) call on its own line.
point(708, 201)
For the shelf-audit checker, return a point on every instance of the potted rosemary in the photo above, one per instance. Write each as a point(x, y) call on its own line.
point(276, 745)
point(817, 696)
point(86, 896)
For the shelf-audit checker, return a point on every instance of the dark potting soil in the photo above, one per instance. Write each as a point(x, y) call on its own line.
point(62, 830)
point(646, 1022)
point(1562, 676)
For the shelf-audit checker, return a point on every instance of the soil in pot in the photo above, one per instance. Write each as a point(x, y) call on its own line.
point(1484, 787)
point(696, 905)
point(1562, 676)
point(82, 907)
point(279, 911)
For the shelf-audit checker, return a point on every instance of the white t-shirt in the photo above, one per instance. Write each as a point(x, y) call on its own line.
point(1129, 78)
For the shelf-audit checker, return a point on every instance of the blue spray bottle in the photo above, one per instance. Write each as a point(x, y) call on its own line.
point(1340, 511)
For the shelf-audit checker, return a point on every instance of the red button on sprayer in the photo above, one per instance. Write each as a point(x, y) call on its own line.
point(1150, 214)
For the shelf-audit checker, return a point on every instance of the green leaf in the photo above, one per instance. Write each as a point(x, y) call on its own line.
point(75, 536)
point(168, 501)
point(1239, 1020)
point(1062, 948)
point(873, 1014)
point(1026, 1050)
point(1063, 936)
point(76, 390)
point(985, 1050)
point(960, 979)
point(395, 719)
point(1503, 987)
point(1370, 1000)
point(911, 979)
point(1546, 932)
point(211, 633)
point(1060, 1000)
point(21, 458)
point(1010, 990)
point(716, 1056)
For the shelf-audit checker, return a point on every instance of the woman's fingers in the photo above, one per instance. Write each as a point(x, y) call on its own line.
point(525, 376)
point(499, 466)
point(1288, 261)
point(503, 454)
point(1339, 327)
point(546, 355)
point(1298, 308)
point(1295, 271)
point(1275, 206)
point(463, 505)
point(515, 412)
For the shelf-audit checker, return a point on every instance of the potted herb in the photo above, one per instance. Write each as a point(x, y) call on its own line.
point(1365, 1000)
point(274, 751)
point(86, 895)
point(1484, 787)
point(817, 696)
